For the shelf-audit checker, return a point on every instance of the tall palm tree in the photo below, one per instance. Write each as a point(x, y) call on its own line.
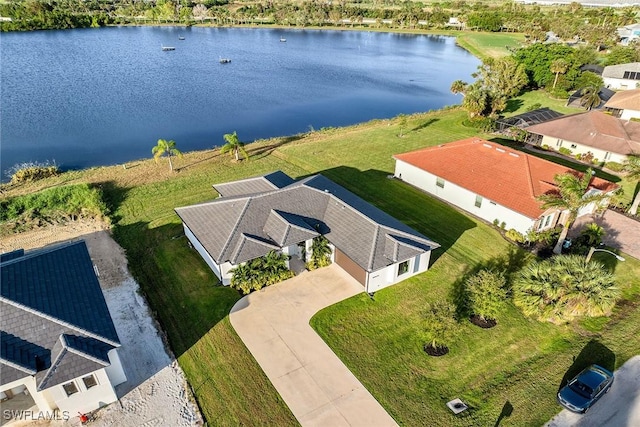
point(165, 147)
point(590, 97)
point(234, 146)
point(569, 196)
point(558, 66)
point(564, 287)
point(632, 167)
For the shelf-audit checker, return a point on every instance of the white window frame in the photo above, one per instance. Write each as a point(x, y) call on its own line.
point(439, 182)
point(73, 383)
point(95, 381)
point(478, 202)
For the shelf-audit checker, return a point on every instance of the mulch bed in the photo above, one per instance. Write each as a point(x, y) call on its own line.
point(436, 351)
point(483, 323)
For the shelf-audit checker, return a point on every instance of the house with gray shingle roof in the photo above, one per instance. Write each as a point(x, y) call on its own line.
point(58, 341)
point(622, 76)
point(254, 216)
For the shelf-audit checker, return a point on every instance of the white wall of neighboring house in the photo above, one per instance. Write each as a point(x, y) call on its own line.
point(463, 198)
point(114, 371)
point(86, 399)
point(202, 251)
point(620, 84)
point(577, 148)
point(628, 114)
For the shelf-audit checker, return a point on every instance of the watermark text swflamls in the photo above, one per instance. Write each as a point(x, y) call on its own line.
point(29, 415)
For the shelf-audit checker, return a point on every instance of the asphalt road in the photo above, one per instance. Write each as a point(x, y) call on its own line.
point(618, 408)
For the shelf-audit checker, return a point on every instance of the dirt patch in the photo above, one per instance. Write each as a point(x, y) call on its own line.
point(436, 351)
point(483, 323)
point(45, 236)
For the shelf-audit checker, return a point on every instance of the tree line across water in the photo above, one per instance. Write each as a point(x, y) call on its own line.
point(593, 25)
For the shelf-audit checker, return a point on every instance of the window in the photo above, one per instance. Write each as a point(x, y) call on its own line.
point(574, 146)
point(70, 388)
point(547, 220)
point(89, 381)
point(403, 267)
point(607, 155)
point(559, 143)
point(440, 182)
point(478, 201)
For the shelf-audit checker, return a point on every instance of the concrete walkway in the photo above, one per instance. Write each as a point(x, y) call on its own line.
point(274, 325)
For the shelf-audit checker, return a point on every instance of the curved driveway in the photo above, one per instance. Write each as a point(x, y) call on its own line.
point(274, 325)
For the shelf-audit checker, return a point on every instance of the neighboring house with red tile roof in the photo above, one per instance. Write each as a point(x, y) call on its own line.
point(608, 138)
point(489, 181)
point(275, 213)
point(625, 105)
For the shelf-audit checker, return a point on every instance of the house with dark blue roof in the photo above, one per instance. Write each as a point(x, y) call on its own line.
point(273, 212)
point(58, 341)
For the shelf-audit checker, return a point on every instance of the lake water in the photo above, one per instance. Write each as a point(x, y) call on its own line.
point(105, 96)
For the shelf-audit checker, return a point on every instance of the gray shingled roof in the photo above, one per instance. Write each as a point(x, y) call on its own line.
point(51, 303)
point(258, 184)
point(238, 229)
point(617, 71)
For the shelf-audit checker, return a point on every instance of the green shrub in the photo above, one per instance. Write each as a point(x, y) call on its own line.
point(533, 107)
point(485, 294)
point(320, 253)
point(260, 272)
point(54, 205)
point(485, 124)
point(614, 166)
point(565, 151)
point(31, 171)
point(514, 235)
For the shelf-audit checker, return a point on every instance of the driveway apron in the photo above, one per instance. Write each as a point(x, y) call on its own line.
point(318, 388)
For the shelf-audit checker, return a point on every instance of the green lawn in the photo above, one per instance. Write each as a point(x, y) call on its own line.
point(379, 340)
point(492, 45)
point(522, 103)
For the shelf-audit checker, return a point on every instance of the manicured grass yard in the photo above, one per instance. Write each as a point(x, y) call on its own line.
point(492, 45)
point(518, 361)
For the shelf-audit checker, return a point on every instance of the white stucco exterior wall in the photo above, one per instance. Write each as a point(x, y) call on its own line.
point(629, 114)
point(463, 198)
point(39, 398)
point(85, 400)
point(388, 276)
point(620, 84)
point(115, 372)
point(601, 155)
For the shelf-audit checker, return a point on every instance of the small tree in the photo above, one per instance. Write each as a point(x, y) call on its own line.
point(234, 146)
point(439, 326)
point(486, 294)
point(632, 167)
point(564, 287)
point(558, 66)
point(402, 123)
point(590, 98)
point(167, 148)
point(320, 253)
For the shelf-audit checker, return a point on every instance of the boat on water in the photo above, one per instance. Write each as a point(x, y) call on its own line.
point(282, 39)
point(165, 48)
point(225, 60)
point(180, 37)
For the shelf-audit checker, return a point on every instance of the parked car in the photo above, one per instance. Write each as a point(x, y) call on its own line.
point(585, 389)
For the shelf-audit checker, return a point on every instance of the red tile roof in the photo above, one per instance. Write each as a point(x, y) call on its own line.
point(510, 178)
point(593, 129)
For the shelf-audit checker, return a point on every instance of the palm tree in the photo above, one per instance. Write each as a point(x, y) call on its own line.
point(570, 195)
point(632, 167)
point(165, 147)
point(459, 86)
point(564, 287)
point(475, 101)
point(590, 97)
point(234, 146)
point(558, 66)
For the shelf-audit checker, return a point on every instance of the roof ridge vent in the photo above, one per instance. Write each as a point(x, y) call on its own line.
point(514, 154)
point(486, 145)
point(500, 150)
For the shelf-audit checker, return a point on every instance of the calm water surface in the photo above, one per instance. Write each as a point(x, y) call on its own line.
point(105, 96)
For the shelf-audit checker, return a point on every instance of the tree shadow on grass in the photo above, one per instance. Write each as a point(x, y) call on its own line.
point(113, 195)
point(425, 124)
point(513, 105)
point(265, 150)
point(216, 153)
point(506, 412)
point(431, 217)
point(593, 353)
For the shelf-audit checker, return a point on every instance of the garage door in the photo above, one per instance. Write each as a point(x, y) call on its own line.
point(351, 267)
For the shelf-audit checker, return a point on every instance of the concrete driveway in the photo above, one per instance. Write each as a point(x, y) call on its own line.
point(620, 407)
point(274, 325)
